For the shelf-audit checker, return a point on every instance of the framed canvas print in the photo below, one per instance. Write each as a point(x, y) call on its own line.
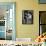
point(42, 1)
point(27, 17)
point(7, 20)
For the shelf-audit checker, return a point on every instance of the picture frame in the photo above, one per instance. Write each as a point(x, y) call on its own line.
point(42, 1)
point(27, 17)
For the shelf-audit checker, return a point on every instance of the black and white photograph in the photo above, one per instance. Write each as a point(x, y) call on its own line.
point(27, 17)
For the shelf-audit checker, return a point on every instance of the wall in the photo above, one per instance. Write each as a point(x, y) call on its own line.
point(28, 31)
